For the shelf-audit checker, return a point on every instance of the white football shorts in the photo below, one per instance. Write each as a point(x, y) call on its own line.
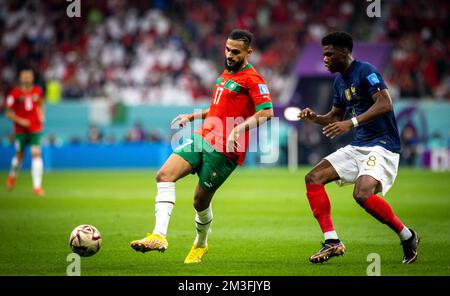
point(350, 162)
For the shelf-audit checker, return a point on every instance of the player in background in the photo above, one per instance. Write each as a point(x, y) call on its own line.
point(370, 161)
point(25, 107)
point(212, 152)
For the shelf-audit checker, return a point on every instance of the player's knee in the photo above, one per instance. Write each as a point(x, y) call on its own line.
point(313, 178)
point(164, 176)
point(200, 204)
point(361, 194)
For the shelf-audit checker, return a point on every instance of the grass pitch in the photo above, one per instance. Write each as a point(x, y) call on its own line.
point(262, 225)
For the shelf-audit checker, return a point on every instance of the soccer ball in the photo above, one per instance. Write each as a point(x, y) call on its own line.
point(85, 240)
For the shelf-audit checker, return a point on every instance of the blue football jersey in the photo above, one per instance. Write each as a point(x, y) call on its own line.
point(353, 92)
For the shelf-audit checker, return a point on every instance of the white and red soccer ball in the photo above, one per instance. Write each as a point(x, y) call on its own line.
point(85, 240)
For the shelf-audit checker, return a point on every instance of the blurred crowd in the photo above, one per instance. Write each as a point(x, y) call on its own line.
point(95, 135)
point(170, 52)
point(419, 65)
point(137, 134)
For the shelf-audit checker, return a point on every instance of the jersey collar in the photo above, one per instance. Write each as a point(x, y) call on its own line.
point(350, 68)
point(248, 66)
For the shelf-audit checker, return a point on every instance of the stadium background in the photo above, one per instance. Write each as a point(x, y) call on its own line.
point(116, 76)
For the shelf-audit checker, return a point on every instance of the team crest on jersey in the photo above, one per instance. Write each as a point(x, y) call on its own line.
point(354, 93)
point(348, 96)
point(263, 89)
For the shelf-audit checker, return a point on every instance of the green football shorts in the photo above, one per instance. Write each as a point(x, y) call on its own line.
point(22, 140)
point(212, 167)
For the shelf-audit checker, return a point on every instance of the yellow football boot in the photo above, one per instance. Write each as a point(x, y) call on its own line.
point(150, 242)
point(196, 254)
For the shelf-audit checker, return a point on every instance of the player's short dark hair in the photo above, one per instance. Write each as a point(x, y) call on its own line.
point(23, 68)
point(242, 35)
point(339, 39)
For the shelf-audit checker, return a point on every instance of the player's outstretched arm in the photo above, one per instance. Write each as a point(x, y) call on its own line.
point(335, 114)
point(382, 105)
point(183, 119)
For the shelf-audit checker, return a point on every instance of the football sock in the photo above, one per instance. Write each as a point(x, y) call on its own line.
point(15, 165)
point(321, 208)
point(37, 170)
point(203, 221)
point(405, 234)
point(331, 235)
point(380, 209)
point(164, 203)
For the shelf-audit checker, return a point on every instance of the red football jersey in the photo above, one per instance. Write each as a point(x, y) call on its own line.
point(25, 105)
point(237, 96)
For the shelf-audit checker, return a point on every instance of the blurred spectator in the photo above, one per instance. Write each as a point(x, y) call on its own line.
point(136, 134)
point(95, 136)
point(443, 90)
point(53, 91)
point(74, 140)
point(53, 140)
point(410, 141)
point(154, 137)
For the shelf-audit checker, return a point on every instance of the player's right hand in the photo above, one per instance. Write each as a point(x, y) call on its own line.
point(181, 120)
point(307, 115)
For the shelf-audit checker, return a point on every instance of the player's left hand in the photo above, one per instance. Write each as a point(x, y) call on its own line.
point(335, 129)
point(232, 141)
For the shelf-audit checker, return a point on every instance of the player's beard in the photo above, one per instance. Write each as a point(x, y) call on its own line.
point(26, 85)
point(235, 67)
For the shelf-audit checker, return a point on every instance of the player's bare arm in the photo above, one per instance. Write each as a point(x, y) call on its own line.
point(183, 119)
point(19, 120)
point(334, 115)
point(382, 105)
point(253, 121)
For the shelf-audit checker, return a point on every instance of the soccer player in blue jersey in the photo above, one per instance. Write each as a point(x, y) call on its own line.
point(370, 161)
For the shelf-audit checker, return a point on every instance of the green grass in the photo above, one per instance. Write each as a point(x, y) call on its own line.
point(262, 225)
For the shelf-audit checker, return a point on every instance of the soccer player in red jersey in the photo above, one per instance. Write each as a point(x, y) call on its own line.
point(25, 107)
point(240, 102)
